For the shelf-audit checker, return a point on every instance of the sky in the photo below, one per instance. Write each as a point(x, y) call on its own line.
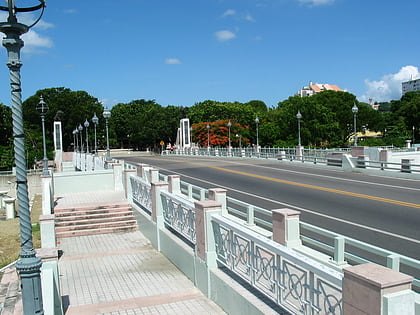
point(181, 52)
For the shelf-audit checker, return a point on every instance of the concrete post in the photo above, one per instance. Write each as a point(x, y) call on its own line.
point(157, 210)
point(127, 184)
point(219, 195)
point(174, 184)
point(205, 244)
point(372, 289)
point(9, 204)
point(140, 167)
point(47, 226)
point(154, 175)
point(47, 194)
point(118, 177)
point(406, 165)
point(286, 230)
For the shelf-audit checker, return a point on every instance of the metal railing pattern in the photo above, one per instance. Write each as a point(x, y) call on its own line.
point(141, 191)
point(290, 279)
point(179, 214)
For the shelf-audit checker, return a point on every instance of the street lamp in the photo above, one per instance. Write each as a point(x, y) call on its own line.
point(107, 115)
point(240, 140)
point(95, 121)
point(43, 108)
point(299, 117)
point(257, 121)
point(208, 136)
point(28, 266)
point(355, 110)
point(75, 142)
point(80, 128)
point(229, 124)
point(86, 124)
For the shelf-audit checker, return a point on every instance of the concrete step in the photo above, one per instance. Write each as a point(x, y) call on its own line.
point(92, 206)
point(93, 217)
point(83, 212)
point(97, 225)
point(97, 231)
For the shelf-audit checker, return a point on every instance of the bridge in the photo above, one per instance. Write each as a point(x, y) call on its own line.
point(243, 256)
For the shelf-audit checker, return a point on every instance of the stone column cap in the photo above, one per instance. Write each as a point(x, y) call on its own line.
point(377, 275)
point(287, 212)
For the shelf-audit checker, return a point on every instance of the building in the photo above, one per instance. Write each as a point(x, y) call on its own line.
point(411, 85)
point(316, 88)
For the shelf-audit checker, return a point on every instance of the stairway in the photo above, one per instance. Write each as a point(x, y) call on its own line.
point(97, 218)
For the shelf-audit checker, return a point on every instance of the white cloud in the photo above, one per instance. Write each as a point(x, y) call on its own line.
point(225, 35)
point(249, 18)
point(228, 13)
point(389, 86)
point(34, 41)
point(172, 61)
point(316, 2)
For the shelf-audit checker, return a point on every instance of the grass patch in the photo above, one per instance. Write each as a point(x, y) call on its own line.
point(10, 234)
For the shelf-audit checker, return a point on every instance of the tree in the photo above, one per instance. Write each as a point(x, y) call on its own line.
point(71, 107)
point(6, 140)
point(218, 134)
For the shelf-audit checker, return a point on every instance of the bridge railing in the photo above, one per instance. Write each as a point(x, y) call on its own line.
point(294, 281)
point(329, 157)
point(338, 249)
point(286, 275)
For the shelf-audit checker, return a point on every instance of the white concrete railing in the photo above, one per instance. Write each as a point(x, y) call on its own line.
point(357, 159)
point(297, 283)
point(294, 281)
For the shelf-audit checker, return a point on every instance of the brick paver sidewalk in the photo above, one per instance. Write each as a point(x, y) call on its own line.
point(120, 273)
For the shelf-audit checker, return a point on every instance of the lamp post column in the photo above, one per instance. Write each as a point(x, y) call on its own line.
point(229, 124)
point(257, 121)
point(95, 121)
point(80, 128)
point(355, 110)
point(107, 115)
point(43, 109)
point(86, 124)
point(208, 136)
point(299, 117)
point(28, 266)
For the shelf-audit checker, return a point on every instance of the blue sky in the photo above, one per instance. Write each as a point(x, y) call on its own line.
point(187, 51)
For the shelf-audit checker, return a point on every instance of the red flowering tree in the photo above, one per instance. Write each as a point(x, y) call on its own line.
point(218, 134)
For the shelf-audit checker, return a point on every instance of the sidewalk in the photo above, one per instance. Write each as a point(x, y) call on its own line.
point(121, 273)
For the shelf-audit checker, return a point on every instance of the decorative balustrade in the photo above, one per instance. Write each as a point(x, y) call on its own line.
point(292, 280)
point(179, 215)
point(141, 193)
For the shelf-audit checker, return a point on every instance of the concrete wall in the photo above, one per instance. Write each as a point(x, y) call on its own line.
point(71, 182)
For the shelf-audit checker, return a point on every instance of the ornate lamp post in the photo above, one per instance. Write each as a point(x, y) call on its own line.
point(28, 265)
point(229, 124)
point(80, 128)
point(95, 121)
point(240, 140)
point(355, 110)
point(257, 121)
point(107, 115)
point(43, 108)
point(75, 140)
point(208, 136)
point(86, 124)
point(299, 117)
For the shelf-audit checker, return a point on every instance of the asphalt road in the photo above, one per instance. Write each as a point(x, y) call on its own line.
point(382, 211)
